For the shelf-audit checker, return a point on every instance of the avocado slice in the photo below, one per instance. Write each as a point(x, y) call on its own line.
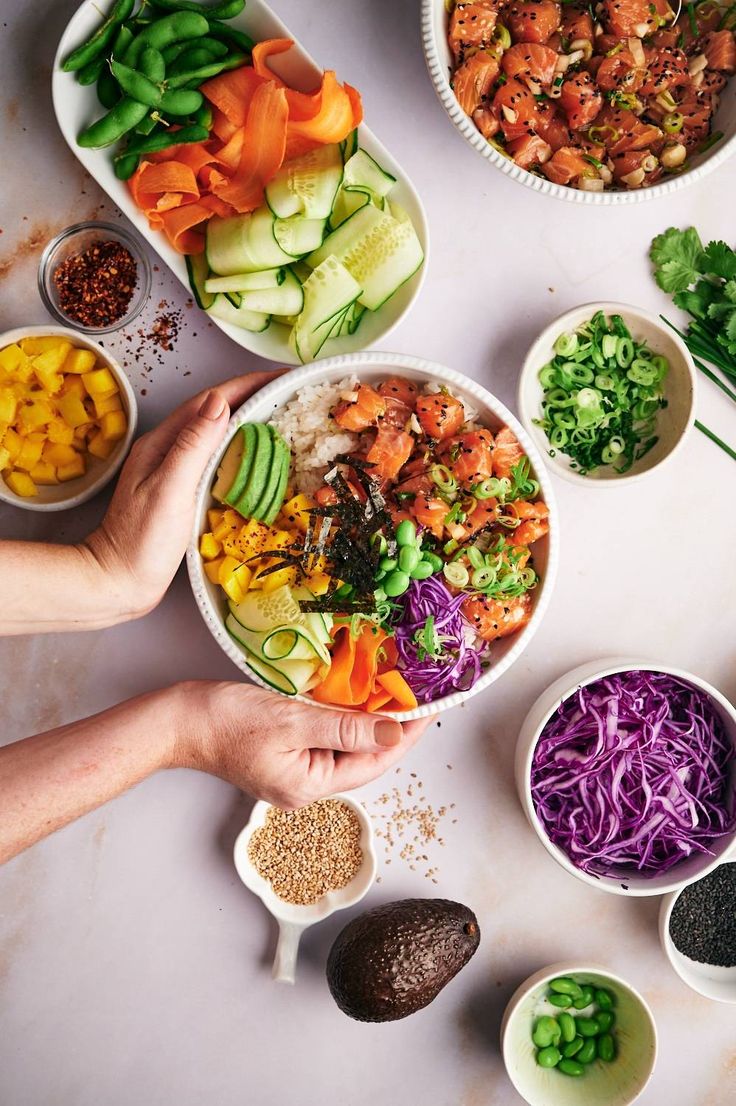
point(396, 958)
point(279, 459)
point(278, 496)
point(235, 466)
point(252, 492)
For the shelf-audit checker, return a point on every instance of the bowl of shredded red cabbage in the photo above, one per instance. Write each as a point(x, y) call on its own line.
point(632, 778)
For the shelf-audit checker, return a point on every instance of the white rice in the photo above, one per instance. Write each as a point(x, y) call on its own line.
point(314, 438)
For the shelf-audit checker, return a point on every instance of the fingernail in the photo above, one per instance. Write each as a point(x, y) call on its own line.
point(387, 733)
point(212, 406)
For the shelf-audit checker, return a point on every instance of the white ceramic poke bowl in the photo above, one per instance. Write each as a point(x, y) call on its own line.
point(710, 980)
point(434, 23)
point(674, 422)
point(370, 368)
point(693, 867)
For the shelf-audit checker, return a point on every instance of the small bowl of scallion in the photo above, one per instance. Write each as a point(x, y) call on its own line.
point(608, 393)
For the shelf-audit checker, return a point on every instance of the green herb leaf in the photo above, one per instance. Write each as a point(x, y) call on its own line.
point(678, 257)
point(720, 260)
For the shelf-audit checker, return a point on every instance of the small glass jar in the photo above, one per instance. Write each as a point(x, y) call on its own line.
point(75, 240)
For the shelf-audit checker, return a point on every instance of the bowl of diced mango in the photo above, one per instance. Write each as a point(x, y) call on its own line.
point(67, 418)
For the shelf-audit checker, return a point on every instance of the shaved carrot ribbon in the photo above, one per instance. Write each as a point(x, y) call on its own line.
point(355, 679)
point(258, 122)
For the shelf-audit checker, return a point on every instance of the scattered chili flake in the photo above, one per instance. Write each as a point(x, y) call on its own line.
point(95, 287)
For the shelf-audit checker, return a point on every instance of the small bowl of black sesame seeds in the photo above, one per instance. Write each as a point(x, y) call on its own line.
point(697, 928)
point(94, 277)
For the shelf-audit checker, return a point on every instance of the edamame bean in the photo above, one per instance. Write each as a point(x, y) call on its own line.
point(388, 564)
point(162, 32)
point(160, 140)
point(566, 1023)
point(181, 102)
point(605, 1019)
point(125, 165)
point(97, 42)
point(408, 558)
point(563, 985)
point(564, 1002)
point(136, 85)
point(546, 1032)
point(422, 571)
point(604, 998)
point(588, 1053)
point(92, 70)
point(227, 9)
point(573, 1048)
point(195, 76)
point(396, 583)
point(125, 115)
point(215, 47)
point(230, 34)
point(108, 89)
point(406, 532)
point(606, 1048)
point(587, 1027)
point(570, 1067)
point(549, 1057)
point(193, 59)
point(433, 560)
point(585, 997)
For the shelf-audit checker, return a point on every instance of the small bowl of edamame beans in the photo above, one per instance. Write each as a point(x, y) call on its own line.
point(578, 1035)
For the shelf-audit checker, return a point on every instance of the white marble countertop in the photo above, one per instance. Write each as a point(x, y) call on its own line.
point(134, 967)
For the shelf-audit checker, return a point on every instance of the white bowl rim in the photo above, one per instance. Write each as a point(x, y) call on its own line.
point(668, 945)
point(333, 366)
point(588, 673)
point(108, 471)
point(471, 134)
point(573, 967)
point(567, 321)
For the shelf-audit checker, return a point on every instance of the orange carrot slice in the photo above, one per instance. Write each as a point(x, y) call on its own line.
point(351, 678)
point(262, 51)
point(232, 92)
point(377, 699)
point(394, 684)
point(339, 113)
point(264, 144)
point(169, 176)
point(178, 224)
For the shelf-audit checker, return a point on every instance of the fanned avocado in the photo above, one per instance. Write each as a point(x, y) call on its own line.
point(278, 496)
point(395, 959)
point(234, 469)
point(258, 477)
point(279, 462)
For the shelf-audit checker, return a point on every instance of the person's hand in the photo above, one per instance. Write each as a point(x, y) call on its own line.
point(143, 537)
point(285, 752)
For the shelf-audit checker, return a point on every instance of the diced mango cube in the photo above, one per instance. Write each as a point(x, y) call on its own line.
point(234, 578)
point(99, 446)
point(296, 511)
point(74, 469)
point(229, 525)
point(212, 570)
point(33, 346)
point(105, 406)
point(274, 580)
point(13, 442)
point(4, 458)
point(21, 484)
point(113, 425)
point(209, 547)
point(24, 370)
point(44, 473)
point(100, 382)
point(50, 382)
point(214, 517)
point(276, 539)
point(29, 456)
point(318, 583)
point(35, 414)
point(59, 432)
point(10, 358)
point(50, 361)
point(59, 455)
point(72, 410)
point(8, 405)
point(79, 361)
point(251, 538)
point(73, 386)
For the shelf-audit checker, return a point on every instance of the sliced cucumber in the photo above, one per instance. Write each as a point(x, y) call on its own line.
point(363, 170)
point(245, 282)
point(301, 271)
point(329, 291)
point(307, 185)
point(261, 610)
point(287, 299)
point(244, 244)
point(380, 252)
point(349, 145)
point(348, 201)
point(235, 298)
point(350, 321)
point(223, 309)
point(197, 271)
point(298, 236)
point(294, 643)
point(291, 677)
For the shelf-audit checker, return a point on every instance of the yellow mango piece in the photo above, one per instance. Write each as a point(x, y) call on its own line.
point(79, 361)
point(21, 484)
point(50, 361)
point(13, 442)
point(209, 547)
point(276, 539)
point(295, 511)
point(113, 425)
point(72, 410)
point(234, 578)
point(212, 570)
point(105, 406)
point(214, 517)
point(36, 414)
point(281, 576)
point(11, 357)
point(44, 473)
point(24, 371)
point(99, 446)
point(318, 583)
point(34, 346)
point(251, 538)
point(4, 458)
point(100, 382)
point(75, 468)
point(8, 405)
point(58, 454)
point(37, 436)
point(58, 431)
point(73, 386)
point(29, 456)
point(229, 525)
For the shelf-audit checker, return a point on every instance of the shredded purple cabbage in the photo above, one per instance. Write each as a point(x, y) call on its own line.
point(459, 666)
point(633, 773)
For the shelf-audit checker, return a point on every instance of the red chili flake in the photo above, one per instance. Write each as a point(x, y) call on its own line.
point(95, 287)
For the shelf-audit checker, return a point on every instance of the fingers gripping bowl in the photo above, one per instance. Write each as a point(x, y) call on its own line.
point(420, 572)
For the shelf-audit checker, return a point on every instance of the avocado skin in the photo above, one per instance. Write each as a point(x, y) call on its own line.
point(395, 959)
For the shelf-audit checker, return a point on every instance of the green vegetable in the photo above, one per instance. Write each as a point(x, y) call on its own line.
point(570, 1067)
point(585, 998)
point(573, 1047)
point(549, 1057)
point(566, 986)
point(546, 1032)
point(603, 998)
point(387, 564)
point(396, 583)
point(436, 563)
point(605, 1019)
point(588, 1053)
point(563, 1001)
point(456, 574)
point(566, 1023)
point(406, 532)
point(97, 42)
point(227, 9)
point(408, 558)
point(587, 1027)
point(606, 1047)
point(422, 571)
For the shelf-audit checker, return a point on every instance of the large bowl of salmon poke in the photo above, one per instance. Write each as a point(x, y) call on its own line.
point(610, 102)
point(376, 533)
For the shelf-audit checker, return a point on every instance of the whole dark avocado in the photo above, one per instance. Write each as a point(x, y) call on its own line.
point(395, 959)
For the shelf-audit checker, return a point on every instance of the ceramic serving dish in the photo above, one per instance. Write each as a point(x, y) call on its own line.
point(434, 22)
point(76, 106)
point(531, 730)
point(618, 1083)
point(710, 980)
point(59, 497)
point(674, 422)
point(372, 368)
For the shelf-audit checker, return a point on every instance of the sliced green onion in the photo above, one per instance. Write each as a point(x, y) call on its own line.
point(482, 577)
point(566, 345)
point(547, 376)
point(624, 352)
point(486, 489)
point(456, 574)
point(475, 556)
point(609, 345)
point(502, 36)
point(443, 478)
point(604, 382)
point(673, 122)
